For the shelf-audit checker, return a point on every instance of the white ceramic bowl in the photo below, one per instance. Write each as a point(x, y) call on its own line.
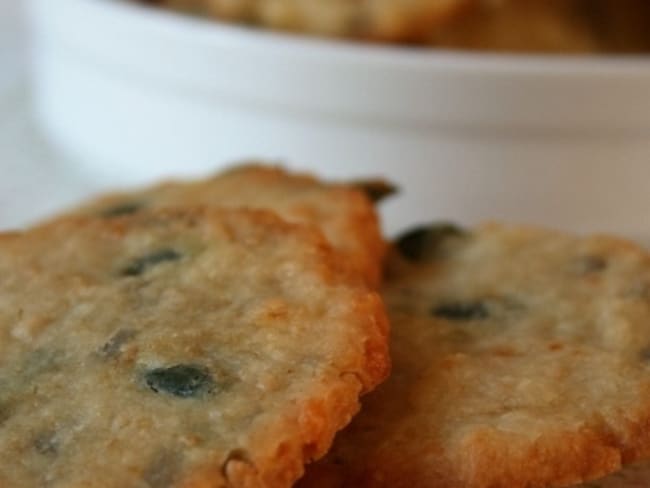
point(137, 93)
point(11, 47)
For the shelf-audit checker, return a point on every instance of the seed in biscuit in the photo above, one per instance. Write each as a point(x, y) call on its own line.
point(141, 264)
point(461, 311)
point(121, 209)
point(181, 380)
point(422, 242)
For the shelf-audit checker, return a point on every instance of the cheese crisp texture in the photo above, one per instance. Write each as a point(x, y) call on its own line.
point(177, 348)
point(521, 358)
point(344, 213)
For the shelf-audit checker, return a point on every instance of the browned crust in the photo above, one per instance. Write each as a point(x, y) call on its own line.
point(419, 25)
point(492, 458)
point(304, 434)
point(307, 429)
point(346, 216)
point(369, 20)
point(318, 420)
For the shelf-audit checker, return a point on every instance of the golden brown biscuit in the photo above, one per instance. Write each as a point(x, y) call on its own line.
point(545, 26)
point(396, 20)
point(520, 359)
point(345, 214)
point(177, 348)
point(620, 26)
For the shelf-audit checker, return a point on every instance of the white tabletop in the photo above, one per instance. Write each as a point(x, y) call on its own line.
point(34, 178)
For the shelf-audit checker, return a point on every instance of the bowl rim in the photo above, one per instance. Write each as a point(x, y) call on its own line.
point(214, 31)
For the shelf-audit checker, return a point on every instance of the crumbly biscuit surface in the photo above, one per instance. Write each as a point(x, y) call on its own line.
point(398, 20)
point(177, 348)
point(345, 215)
point(520, 359)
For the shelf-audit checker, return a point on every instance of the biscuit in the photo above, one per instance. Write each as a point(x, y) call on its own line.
point(178, 348)
point(345, 214)
point(520, 26)
point(385, 20)
point(543, 26)
point(521, 358)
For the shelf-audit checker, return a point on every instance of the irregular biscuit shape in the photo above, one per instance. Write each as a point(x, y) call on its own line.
point(520, 359)
point(543, 26)
point(345, 214)
point(388, 20)
point(178, 348)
